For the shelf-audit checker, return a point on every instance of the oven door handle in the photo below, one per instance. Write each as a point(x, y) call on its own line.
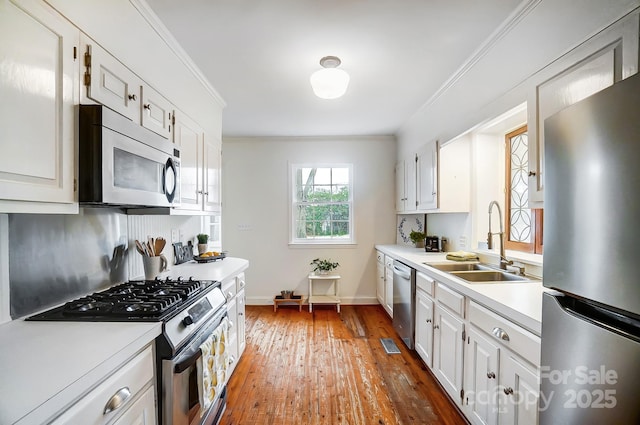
point(187, 362)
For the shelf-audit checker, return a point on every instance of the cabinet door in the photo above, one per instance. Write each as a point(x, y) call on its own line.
point(38, 90)
point(427, 177)
point(388, 290)
point(232, 345)
point(519, 391)
point(188, 136)
point(156, 112)
point(447, 351)
point(424, 327)
point(380, 270)
point(141, 412)
point(212, 170)
point(401, 185)
point(597, 64)
point(481, 376)
point(109, 82)
point(454, 173)
point(241, 322)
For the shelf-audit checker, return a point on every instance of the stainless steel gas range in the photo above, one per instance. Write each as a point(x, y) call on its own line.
point(190, 311)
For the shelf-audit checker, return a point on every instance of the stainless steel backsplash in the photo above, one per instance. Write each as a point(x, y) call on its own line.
point(54, 258)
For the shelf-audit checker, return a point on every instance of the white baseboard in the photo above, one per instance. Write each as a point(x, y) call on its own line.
point(343, 301)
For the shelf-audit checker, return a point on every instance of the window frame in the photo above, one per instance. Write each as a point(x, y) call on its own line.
point(293, 203)
point(537, 216)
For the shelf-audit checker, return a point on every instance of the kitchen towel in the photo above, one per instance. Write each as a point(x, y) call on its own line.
point(212, 366)
point(462, 256)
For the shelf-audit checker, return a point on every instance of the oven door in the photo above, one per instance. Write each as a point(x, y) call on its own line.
point(180, 399)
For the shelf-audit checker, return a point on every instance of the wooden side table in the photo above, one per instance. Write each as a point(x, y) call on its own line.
point(327, 298)
point(277, 300)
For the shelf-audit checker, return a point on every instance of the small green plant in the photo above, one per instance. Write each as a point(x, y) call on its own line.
point(323, 265)
point(202, 238)
point(417, 236)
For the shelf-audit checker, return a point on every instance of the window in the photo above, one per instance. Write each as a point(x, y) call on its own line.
point(322, 204)
point(524, 225)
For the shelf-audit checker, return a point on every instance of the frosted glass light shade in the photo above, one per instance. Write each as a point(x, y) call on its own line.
point(329, 83)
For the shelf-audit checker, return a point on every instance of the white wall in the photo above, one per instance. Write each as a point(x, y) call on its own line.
point(256, 212)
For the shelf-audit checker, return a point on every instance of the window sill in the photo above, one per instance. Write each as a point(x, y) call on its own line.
point(303, 245)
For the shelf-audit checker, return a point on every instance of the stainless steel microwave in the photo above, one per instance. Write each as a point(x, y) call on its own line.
point(123, 164)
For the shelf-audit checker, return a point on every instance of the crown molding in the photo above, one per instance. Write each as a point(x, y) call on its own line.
point(163, 32)
point(507, 25)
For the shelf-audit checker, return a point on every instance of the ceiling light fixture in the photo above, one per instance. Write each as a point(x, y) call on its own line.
point(329, 82)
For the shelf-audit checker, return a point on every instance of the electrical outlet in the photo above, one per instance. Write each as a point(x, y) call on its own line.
point(175, 236)
point(245, 227)
point(462, 241)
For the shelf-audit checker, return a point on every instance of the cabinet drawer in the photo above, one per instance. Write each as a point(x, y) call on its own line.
point(425, 283)
point(240, 282)
point(129, 379)
point(229, 289)
point(521, 341)
point(451, 299)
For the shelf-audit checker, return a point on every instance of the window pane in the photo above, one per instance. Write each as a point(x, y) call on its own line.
point(321, 207)
point(520, 214)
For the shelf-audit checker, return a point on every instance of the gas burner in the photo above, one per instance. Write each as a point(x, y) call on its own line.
point(88, 306)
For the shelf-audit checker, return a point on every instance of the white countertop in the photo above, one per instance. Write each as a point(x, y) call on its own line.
point(48, 366)
point(520, 302)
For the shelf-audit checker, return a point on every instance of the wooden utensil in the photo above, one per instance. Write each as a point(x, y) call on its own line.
point(159, 245)
point(141, 248)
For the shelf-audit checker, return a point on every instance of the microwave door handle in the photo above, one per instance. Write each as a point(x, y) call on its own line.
point(169, 165)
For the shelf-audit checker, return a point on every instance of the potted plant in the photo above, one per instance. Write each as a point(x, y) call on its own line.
point(323, 266)
point(203, 243)
point(417, 238)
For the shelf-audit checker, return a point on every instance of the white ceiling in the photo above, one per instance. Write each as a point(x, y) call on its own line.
point(259, 56)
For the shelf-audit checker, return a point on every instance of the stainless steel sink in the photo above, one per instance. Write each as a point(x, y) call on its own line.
point(491, 276)
point(459, 267)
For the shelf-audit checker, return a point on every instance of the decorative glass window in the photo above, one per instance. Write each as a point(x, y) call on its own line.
point(524, 225)
point(322, 204)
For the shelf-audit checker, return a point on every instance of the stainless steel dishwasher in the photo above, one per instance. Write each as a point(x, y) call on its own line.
point(404, 302)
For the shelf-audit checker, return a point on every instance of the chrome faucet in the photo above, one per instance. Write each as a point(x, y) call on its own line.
point(503, 260)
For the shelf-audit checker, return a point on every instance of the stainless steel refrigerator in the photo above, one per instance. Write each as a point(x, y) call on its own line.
point(590, 370)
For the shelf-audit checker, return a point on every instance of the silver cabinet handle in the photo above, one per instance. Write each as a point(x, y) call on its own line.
point(242, 283)
point(508, 391)
point(500, 334)
point(133, 97)
point(147, 106)
point(491, 375)
point(117, 400)
point(229, 296)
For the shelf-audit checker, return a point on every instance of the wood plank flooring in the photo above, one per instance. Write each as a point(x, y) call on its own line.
point(329, 368)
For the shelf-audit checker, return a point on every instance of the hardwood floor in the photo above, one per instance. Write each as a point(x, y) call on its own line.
point(330, 368)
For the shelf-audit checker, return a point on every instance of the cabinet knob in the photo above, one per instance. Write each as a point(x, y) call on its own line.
point(491, 375)
point(532, 173)
point(508, 391)
point(232, 360)
point(133, 97)
point(206, 193)
point(241, 314)
point(436, 326)
point(433, 193)
point(500, 334)
point(428, 320)
point(147, 106)
point(229, 296)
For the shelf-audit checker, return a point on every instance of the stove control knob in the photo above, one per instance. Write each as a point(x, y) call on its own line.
point(191, 279)
point(179, 278)
point(188, 320)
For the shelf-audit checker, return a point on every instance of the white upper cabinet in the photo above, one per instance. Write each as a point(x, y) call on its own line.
point(427, 177)
point(406, 185)
point(157, 112)
point(454, 194)
point(200, 166)
point(609, 57)
point(109, 82)
point(38, 91)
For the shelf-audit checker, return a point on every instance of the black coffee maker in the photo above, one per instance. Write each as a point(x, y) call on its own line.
point(432, 244)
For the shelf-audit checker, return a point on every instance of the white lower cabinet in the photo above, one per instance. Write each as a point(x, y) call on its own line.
point(501, 383)
point(424, 318)
point(126, 397)
point(388, 285)
point(448, 350)
point(380, 276)
point(233, 290)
